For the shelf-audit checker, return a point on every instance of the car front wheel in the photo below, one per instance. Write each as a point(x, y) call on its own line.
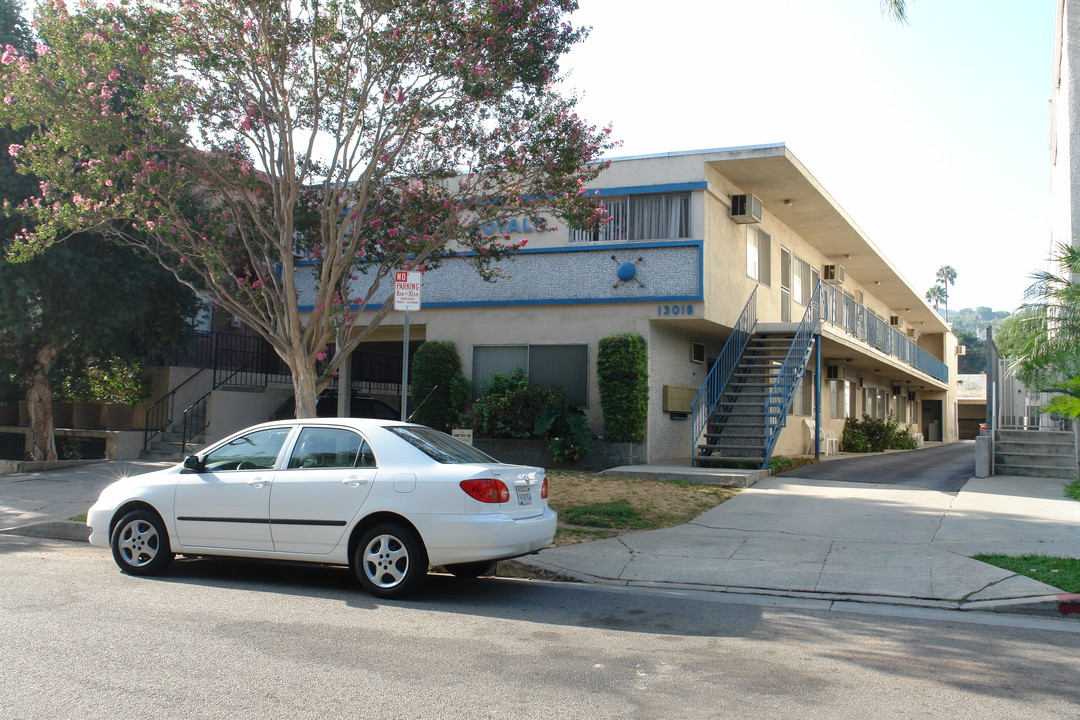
point(140, 544)
point(390, 561)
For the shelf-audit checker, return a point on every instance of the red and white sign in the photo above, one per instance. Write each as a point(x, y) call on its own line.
point(407, 289)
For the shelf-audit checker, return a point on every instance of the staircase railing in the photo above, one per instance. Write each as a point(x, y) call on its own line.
point(159, 415)
point(776, 404)
point(721, 371)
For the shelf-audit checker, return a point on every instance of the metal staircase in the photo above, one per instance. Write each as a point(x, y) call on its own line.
point(739, 414)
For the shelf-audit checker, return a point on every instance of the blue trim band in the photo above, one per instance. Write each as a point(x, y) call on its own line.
point(646, 189)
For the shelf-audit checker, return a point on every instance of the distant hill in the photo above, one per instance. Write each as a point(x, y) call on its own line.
point(973, 321)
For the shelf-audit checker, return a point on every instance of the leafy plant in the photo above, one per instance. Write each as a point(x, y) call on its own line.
point(622, 376)
point(1072, 490)
point(875, 435)
point(113, 381)
point(440, 392)
point(512, 408)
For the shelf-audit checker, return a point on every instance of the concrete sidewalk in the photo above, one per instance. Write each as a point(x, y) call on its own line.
point(851, 541)
point(824, 539)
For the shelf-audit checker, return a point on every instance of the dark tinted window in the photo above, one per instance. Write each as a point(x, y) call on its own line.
point(439, 446)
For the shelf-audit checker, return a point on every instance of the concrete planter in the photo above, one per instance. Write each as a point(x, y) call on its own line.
point(534, 452)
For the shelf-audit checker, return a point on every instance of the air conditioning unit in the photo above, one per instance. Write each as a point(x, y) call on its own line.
point(836, 372)
point(833, 274)
point(961, 349)
point(911, 396)
point(913, 333)
point(896, 321)
point(746, 208)
point(897, 390)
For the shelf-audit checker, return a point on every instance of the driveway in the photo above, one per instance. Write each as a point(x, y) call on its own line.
point(944, 468)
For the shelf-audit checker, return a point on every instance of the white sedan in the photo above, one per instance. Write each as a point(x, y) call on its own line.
point(386, 498)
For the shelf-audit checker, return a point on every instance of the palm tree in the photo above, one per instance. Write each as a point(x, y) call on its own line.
point(946, 276)
point(935, 295)
point(896, 9)
point(1043, 335)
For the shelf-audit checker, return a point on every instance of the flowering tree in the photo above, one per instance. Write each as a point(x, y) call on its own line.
point(228, 138)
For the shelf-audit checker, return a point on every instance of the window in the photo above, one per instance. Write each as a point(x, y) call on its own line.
point(255, 451)
point(801, 281)
point(758, 255)
point(566, 366)
point(439, 446)
point(641, 217)
point(330, 448)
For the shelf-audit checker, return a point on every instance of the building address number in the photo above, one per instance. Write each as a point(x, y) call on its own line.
point(668, 310)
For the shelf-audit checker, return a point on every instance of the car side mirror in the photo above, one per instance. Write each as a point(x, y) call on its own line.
point(194, 464)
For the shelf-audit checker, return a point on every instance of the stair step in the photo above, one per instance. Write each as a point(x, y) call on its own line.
point(730, 458)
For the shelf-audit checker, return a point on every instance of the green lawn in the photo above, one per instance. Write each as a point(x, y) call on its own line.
point(1060, 572)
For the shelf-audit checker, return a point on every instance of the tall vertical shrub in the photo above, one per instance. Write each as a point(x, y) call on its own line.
point(622, 373)
point(440, 392)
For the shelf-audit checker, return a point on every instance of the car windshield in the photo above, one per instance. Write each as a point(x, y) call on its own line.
point(439, 446)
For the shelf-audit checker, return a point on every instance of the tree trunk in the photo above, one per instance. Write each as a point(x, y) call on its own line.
point(304, 383)
point(39, 407)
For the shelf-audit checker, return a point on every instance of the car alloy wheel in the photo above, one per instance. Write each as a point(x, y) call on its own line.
point(390, 560)
point(140, 544)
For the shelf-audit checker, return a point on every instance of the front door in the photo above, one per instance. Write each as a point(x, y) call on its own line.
point(227, 506)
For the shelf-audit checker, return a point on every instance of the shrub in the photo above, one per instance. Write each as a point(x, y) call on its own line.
point(622, 376)
point(512, 408)
point(440, 392)
point(874, 435)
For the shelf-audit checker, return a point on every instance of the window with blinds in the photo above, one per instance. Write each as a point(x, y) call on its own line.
point(641, 217)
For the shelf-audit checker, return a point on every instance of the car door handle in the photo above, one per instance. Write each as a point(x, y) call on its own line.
point(354, 481)
point(258, 482)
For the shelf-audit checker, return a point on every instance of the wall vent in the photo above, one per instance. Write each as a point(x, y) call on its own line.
point(697, 352)
point(746, 208)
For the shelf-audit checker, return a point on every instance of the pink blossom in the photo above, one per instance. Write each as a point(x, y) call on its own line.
point(144, 49)
point(150, 225)
point(114, 76)
point(14, 149)
point(321, 356)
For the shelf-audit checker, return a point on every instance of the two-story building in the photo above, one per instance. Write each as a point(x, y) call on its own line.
point(701, 248)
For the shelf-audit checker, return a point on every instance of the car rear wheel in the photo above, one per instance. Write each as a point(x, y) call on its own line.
point(471, 569)
point(140, 544)
point(390, 561)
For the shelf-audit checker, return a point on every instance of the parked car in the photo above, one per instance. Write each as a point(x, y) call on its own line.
point(384, 497)
point(361, 406)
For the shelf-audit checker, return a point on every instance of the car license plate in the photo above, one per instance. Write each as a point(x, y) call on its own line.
point(524, 496)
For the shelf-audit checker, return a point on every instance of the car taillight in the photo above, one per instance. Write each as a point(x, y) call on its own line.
point(543, 490)
point(486, 490)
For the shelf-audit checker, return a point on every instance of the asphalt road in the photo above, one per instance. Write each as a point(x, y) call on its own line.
point(941, 467)
point(233, 639)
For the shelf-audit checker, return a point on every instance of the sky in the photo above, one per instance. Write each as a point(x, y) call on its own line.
point(933, 136)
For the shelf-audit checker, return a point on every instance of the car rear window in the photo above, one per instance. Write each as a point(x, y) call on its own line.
point(439, 446)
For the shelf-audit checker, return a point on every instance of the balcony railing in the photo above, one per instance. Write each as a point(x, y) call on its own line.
point(856, 319)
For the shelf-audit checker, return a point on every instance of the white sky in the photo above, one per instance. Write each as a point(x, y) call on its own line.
point(932, 136)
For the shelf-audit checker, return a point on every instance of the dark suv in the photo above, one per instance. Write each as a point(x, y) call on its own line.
point(363, 406)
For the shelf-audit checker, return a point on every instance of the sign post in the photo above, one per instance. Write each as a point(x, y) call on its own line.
point(406, 298)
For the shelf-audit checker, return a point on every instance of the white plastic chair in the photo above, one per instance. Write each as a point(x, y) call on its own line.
point(830, 445)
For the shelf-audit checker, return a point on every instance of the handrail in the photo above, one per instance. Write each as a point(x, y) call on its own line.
point(855, 318)
point(790, 373)
point(161, 411)
point(720, 373)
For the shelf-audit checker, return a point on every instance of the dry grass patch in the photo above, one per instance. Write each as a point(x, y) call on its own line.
point(592, 507)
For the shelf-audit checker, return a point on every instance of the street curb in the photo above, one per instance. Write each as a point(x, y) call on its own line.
point(1048, 605)
point(1061, 605)
point(53, 529)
